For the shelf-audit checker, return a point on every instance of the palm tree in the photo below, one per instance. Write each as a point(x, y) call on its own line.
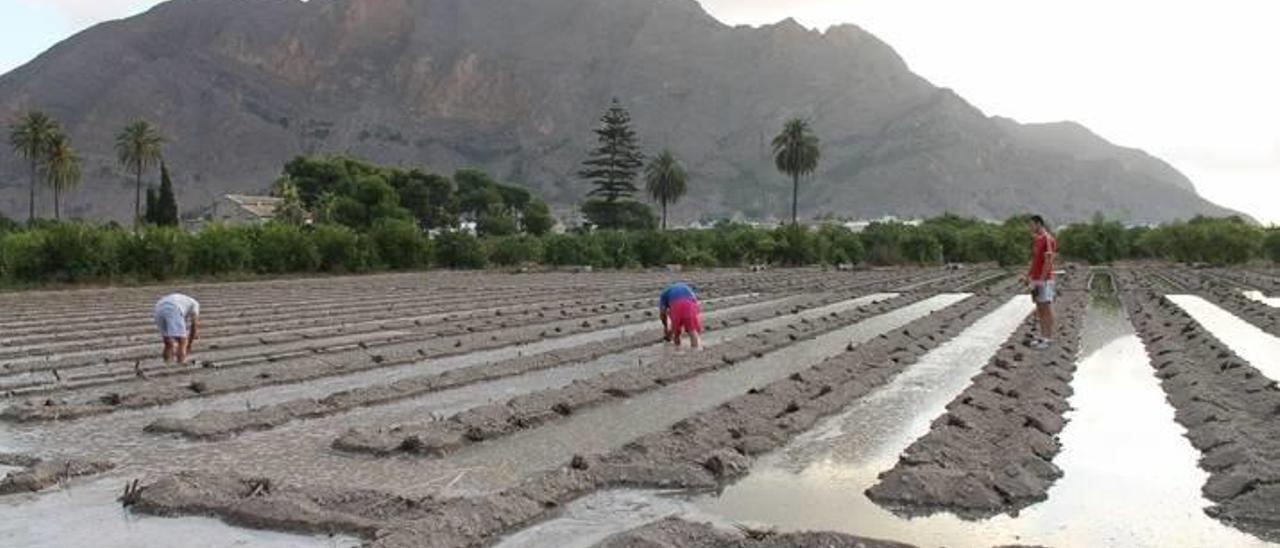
point(326, 205)
point(61, 168)
point(796, 153)
point(138, 148)
point(665, 180)
point(29, 137)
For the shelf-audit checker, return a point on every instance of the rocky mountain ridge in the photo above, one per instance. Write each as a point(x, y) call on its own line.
point(514, 87)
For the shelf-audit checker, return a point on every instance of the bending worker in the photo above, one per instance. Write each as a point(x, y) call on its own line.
point(178, 317)
point(679, 311)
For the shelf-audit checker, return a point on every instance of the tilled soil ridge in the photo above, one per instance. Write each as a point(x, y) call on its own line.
point(216, 424)
point(992, 451)
point(1261, 315)
point(264, 349)
point(702, 451)
point(258, 339)
point(34, 312)
point(37, 474)
point(1230, 410)
point(678, 533)
point(246, 329)
point(1264, 282)
point(308, 365)
point(437, 438)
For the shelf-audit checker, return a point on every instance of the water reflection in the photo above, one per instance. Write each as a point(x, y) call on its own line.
point(607, 427)
point(1130, 477)
point(86, 514)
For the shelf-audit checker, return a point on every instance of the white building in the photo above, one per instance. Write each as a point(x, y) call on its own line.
point(239, 209)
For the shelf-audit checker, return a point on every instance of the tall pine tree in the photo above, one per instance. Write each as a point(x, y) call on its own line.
point(612, 167)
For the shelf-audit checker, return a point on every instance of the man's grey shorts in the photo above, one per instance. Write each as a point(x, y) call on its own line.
point(170, 321)
point(1045, 292)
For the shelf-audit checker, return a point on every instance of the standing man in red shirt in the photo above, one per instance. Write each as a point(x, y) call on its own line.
point(1044, 247)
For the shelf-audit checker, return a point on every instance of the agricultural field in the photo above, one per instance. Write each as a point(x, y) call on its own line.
point(877, 407)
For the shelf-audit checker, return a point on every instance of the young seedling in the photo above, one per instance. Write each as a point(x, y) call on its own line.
point(132, 494)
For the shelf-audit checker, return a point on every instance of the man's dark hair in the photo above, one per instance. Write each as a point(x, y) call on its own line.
point(1037, 220)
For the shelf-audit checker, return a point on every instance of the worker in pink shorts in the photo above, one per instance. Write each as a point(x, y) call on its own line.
point(678, 308)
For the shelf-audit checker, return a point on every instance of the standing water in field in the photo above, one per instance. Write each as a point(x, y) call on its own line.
point(83, 515)
point(1259, 348)
point(300, 449)
point(1262, 298)
point(1130, 477)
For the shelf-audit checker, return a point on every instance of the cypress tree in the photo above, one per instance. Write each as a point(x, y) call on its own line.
point(150, 214)
point(166, 202)
point(611, 167)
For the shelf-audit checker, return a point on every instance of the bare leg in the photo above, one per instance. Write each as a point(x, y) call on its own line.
point(168, 350)
point(181, 352)
point(695, 339)
point(1046, 320)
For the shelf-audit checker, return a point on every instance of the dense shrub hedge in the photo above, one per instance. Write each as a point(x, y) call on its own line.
point(51, 252)
point(1216, 241)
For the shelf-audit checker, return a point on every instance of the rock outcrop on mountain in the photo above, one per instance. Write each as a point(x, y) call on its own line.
point(514, 87)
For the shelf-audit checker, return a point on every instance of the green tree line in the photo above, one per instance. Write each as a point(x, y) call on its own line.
point(79, 252)
point(1207, 240)
point(347, 191)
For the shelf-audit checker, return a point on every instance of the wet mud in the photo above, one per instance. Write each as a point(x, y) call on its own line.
point(703, 450)
point(218, 424)
point(992, 451)
point(1230, 410)
point(302, 361)
point(677, 533)
point(1130, 477)
point(31, 474)
point(437, 438)
point(213, 379)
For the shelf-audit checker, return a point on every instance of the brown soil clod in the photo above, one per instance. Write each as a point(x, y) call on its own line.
point(724, 464)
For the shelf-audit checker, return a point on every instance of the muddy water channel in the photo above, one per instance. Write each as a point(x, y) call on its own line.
point(1130, 477)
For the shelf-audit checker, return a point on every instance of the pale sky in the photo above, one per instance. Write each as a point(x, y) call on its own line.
point(1195, 82)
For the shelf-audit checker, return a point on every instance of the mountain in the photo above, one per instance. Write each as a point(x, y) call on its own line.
point(515, 86)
